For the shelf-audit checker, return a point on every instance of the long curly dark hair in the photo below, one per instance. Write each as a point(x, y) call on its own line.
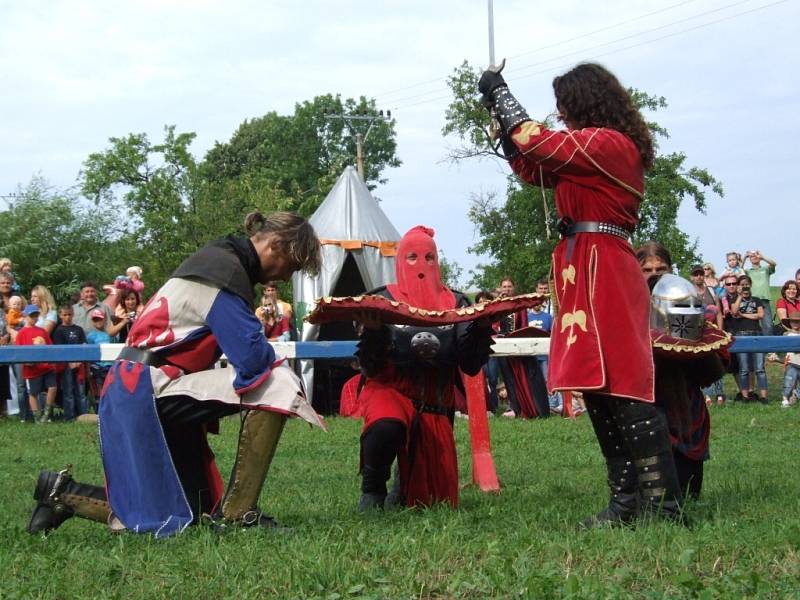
point(590, 96)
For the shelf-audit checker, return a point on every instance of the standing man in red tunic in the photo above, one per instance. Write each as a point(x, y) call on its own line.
point(600, 342)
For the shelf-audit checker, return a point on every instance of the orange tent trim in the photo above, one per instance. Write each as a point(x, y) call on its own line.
point(385, 248)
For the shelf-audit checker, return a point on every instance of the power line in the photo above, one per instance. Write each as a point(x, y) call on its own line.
point(615, 51)
point(562, 42)
point(590, 48)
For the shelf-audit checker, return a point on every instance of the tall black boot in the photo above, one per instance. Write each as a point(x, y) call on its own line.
point(59, 497)
point(646, 435)
point(623, 501)
point(379, 447)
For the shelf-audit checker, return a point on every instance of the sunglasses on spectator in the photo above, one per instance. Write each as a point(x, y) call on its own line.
point(729, 283)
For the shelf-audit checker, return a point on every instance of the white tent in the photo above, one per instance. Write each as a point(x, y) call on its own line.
point(358, 249)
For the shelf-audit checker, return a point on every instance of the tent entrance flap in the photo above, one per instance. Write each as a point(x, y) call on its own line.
point(331, 375)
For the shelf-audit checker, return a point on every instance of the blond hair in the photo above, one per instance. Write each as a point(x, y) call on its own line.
point(291, 233)
point(5, 262)
point(46, 300)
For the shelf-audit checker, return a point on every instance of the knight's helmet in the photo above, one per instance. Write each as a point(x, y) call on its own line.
point(677, 308)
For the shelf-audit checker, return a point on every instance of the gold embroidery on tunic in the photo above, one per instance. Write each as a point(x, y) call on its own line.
point(526, 131)
point(571, 319)
point(567, 275)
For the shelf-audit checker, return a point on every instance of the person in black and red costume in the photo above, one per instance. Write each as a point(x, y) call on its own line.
point(411, 374)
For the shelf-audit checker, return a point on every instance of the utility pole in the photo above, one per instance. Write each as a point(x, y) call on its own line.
point(9, 199)
point(361, 138)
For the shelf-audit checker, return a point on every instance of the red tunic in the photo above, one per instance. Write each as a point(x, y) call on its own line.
point(601, 339)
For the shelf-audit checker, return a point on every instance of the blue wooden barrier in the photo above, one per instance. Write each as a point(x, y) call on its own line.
point(309, 350)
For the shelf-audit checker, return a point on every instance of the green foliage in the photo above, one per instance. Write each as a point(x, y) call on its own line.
point(522, 543)
point(450, 271)
point(159, 190)
point(514, 233)
point(302, 155)
point(56, 241)
point(173, 204)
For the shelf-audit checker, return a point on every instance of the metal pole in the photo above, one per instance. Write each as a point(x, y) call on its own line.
point(491, 33)
point(360, 155)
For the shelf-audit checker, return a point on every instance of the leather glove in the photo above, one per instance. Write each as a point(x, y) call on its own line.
point(489, 82)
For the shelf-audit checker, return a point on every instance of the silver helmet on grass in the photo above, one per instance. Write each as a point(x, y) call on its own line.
point(677, 308)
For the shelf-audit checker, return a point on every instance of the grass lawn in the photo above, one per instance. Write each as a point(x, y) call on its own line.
point(521, 543)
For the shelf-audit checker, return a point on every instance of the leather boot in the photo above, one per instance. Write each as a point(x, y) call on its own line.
point(646, 435)
point(258, 439)
point(59, 497)
point(623, 501)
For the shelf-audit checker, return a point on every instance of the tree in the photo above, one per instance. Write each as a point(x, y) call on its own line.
point(522, 250)
point(302, 155)
point(56, 241)
point(168, 210)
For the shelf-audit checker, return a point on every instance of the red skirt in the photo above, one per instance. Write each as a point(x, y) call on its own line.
point(431, 474)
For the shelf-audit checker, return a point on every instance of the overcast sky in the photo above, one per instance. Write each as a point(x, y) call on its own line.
point(73, 74)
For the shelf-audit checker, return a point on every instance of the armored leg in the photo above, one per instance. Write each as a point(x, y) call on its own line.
point(258, 439)
point(646, 436)
point(623, 501)
point(60, 497)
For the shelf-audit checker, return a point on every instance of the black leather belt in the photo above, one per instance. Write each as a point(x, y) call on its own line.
point(427, 408)
point(146, 357)
point(567, 228)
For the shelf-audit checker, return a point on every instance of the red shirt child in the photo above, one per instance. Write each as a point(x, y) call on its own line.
point(31, 335)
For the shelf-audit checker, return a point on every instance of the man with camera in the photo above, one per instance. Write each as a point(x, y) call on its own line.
point(759, 275)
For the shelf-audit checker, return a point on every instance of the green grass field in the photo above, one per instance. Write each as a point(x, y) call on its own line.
point(745, 541)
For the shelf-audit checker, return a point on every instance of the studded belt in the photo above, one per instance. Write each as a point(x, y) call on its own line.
point(568, 228)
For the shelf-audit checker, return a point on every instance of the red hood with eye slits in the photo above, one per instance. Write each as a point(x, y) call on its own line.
point(420, 284)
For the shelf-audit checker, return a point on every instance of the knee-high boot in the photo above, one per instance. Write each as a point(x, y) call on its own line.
point(258, 439)
point(59, 497)
point(623, 500)
point(646, 436)
point(379, 447)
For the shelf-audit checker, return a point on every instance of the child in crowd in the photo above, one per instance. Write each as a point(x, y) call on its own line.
point(14, 316)
point(39, 377)
point(131, 281)
point(6, 266)
point(791, 376)
point(734, 267)
point(73, 397)
point(99, 335)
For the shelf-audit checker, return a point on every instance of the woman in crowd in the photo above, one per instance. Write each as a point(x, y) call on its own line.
point(710, 278)
point(678, 388)
point(788, 302)
point(276, 324)
point(597, 166)
point(128, 309)
point(41, 297)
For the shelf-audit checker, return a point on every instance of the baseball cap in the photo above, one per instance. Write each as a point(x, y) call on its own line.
point(31, 309)
point(97, 314)
point(696, 269)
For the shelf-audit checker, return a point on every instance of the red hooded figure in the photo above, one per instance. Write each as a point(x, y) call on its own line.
point(411, 373)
